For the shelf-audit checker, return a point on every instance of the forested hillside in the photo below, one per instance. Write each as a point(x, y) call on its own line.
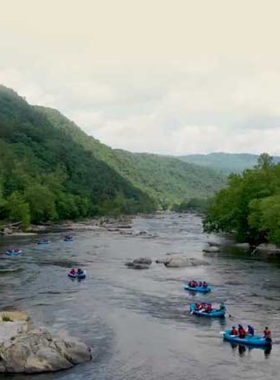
point(51, 170)
point(46, 175)
point(225, 162)
point(250, 206)
point(166, 180)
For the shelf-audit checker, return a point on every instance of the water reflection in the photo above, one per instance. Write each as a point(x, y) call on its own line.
point(242, 350)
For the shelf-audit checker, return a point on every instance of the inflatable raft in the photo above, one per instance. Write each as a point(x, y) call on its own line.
point(199, 289)
point(44, 241)
point(215, 313)
point(256, 340)
point(13, 252)
point(76, 275)
point(68, 238)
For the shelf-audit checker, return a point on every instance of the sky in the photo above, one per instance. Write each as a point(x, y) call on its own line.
point(163, 76)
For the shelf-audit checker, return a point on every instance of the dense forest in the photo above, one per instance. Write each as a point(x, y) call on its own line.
point(51, 170)
point(225, 162)
point(250, 206)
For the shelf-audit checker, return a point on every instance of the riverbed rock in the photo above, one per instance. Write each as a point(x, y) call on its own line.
point(13, 316)
point(212, 249)
point(267, 250)
point(179, 262)
point(143, 260)
point(129, 264)
point(25, 349)
point(141, 266)
point(163, 261)
point(214, 244)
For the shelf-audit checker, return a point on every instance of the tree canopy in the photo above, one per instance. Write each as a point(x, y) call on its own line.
point(250, 206)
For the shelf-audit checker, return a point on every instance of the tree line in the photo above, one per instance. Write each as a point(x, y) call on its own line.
point(249, 206)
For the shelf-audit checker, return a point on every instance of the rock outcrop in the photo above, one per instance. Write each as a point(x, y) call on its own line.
point(212, 249)
point(181, 262)
point(141, 263)
point(25, 349)
point(267, 250)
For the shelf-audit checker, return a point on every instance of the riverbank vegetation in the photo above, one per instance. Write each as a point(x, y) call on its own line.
point(250, 206)
point(50, 170)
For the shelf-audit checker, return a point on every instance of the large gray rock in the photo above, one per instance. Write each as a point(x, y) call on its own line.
point(143, 260)
point(141, 266)
point(267, 250)
point(212, 249)
point(27, 350)
point(179, 262)
point(214, 244)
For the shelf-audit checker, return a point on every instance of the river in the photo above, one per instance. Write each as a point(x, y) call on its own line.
point(138, 321)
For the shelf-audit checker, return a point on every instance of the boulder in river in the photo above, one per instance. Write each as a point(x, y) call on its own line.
point(214, 244)
point(212, 249)
point(141, 263)
point(143, 260)
point(180, 262)
point(24, 349)
point(268, 250)
point(141, 266)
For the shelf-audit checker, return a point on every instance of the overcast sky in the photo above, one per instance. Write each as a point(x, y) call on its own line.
point(163, 76)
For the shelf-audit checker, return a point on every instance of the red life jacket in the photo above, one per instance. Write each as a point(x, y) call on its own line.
point(267, 333)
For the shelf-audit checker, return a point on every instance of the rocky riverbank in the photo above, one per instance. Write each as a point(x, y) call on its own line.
point(25, 348)
point(119, 224)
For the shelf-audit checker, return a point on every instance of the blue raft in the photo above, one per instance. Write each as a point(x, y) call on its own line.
point(255, 341)
point(80, 276)
point(44, 241)
point(215, 313)
point(199, 289)
point(69, 238)
point(13, 252)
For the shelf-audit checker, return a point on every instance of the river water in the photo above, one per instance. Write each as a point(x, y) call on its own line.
point(138, 321)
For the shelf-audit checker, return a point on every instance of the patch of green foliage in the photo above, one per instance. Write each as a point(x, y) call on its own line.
point(250, 206)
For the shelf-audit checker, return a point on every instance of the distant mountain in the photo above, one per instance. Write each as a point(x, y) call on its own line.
point(167, 180)
point(225, 162)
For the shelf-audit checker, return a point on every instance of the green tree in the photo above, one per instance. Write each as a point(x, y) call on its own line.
point(17, 209)
point(41, 202)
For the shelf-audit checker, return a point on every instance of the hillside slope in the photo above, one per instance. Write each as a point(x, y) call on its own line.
point(165, 179)
point(225, 162)
point(49, 176)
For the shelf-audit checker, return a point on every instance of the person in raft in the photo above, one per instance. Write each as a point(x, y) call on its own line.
point(80, 271)
point(267, 333)
point(192, 284)
point(222, 306)
point(233, 331)
point(208, 308)
point(205, 285)
point(241, 331)
point(72, 271)
point(250, 330)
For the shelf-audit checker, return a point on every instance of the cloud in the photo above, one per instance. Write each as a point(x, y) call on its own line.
point(164, 77)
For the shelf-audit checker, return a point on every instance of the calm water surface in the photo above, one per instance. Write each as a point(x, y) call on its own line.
point(138, 321)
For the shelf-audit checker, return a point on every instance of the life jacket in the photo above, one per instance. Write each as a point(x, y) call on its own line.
point(234, 332)
point(267, 333)
point(241, 332)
